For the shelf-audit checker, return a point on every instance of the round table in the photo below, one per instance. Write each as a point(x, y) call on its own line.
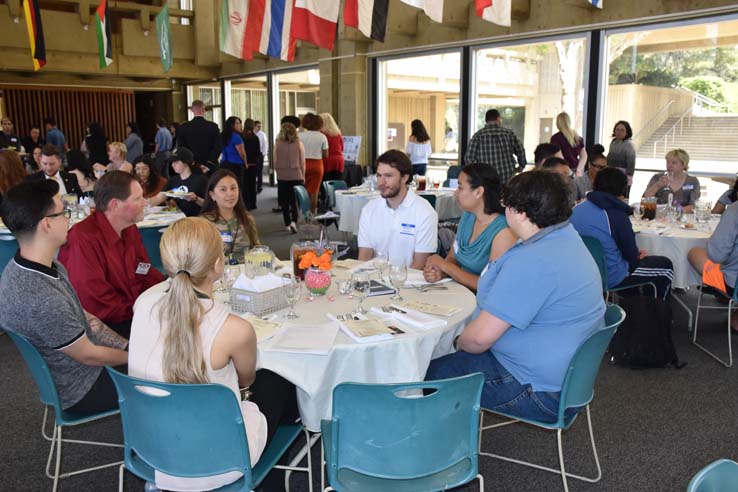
point(350, 202)
point(404, 358)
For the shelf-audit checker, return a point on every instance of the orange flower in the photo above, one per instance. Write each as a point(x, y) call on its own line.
point(311, 259)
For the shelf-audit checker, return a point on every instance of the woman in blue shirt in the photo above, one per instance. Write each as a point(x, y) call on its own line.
point(483, 234)
point(234, 154)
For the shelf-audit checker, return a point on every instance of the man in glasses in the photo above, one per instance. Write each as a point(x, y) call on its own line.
point(40, 304)
point(583, 183)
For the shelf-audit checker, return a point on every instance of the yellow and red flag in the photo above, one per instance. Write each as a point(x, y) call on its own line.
point(35, 33)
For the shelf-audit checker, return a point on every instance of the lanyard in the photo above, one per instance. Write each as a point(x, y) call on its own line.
point(231, 260)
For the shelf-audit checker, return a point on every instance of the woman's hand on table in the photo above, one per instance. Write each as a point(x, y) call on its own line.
point(433, 270)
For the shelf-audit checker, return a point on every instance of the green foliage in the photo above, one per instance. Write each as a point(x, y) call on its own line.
point(710, 86)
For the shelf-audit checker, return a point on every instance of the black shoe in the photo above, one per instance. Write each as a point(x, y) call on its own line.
point(277, 210)
point(259, 190)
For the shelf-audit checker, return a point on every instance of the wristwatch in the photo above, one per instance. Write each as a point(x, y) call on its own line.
point(456, 343)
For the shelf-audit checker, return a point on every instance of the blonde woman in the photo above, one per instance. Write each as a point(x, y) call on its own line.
point(117, 153)
point(180, 334)
point(571, 144)
point(333, 164)
point(289, 162)
point(684, 188)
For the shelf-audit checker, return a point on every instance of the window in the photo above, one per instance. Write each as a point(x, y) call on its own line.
point(210, 94)
point(249, 99)
point(298, 92)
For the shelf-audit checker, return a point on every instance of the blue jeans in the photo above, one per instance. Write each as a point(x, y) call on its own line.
point(501, 391)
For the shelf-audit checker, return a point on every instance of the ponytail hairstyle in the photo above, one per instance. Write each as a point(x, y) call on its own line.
point(563, 123)
point(190, 249)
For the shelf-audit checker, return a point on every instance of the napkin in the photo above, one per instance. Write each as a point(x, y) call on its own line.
point(412, 318)
point(373, 333)
point(306, 339)
point(261, 283)
point(415, 279)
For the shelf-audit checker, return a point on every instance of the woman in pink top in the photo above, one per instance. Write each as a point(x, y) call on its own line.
point(289, 162)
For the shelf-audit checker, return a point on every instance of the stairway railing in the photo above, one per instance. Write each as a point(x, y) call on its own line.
point(672, 131)
point(650, 127)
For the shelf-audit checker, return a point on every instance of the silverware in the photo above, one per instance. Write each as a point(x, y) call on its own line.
point(425, 288)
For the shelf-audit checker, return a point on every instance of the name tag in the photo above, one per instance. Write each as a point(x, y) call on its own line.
point(688, 187)
point(226, 237)
point(143, 268)
point(485, 270)
point(407, 229)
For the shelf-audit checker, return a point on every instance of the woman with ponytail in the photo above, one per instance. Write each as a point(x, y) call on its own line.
point(180, 334)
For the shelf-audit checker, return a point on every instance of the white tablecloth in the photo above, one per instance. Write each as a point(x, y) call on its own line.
point(404, 358)
point(349, 204)
point(674, 242)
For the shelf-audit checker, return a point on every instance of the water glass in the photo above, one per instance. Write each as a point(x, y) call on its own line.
point(398, 275)
point(344, 286)
point(291, 289)
point(637, 211)
point(381, 262)
point(361, 285)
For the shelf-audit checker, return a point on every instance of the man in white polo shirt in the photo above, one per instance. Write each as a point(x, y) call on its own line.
point(399, 223)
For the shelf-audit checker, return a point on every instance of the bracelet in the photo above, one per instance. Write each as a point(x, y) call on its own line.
point(456, 343)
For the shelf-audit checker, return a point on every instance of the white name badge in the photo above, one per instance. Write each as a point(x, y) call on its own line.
point(407, 229)
point(688, 187)
point(143, 268)
point(226, 237)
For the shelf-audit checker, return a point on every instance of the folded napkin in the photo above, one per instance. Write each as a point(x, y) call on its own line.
point(361, 332)
point(261, 283)
point(410, 317)
point(415, 279)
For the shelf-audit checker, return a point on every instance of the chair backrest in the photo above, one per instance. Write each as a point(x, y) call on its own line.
point(718, 476)
point(578, 387)
point(331, 186)
point(453, 172)
point(430, 197)
point(393, 431)
point(40, 372)
point(595, 249)
point(352, 174)
point(8, 248)
point(151, 237)
point(303, 200)
point(186, 430)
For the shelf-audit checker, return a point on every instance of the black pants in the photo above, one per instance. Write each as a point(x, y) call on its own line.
point(101, 397)
point(249, 187)
point(277, 399)
point(260, 173)
point(657, 270)
point(287, 200)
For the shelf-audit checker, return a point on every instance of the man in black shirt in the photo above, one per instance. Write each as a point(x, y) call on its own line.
point(187, 187)
point(202, 137)
point(9, 140)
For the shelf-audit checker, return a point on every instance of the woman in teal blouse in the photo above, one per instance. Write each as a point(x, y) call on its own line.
point(483, 235)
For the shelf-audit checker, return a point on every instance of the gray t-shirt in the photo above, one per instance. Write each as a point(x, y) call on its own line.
point(39, 303)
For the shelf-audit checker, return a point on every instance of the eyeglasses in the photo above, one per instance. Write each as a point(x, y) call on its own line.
point(66, 213)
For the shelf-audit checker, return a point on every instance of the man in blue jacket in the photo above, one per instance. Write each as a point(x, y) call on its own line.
point(604, 216)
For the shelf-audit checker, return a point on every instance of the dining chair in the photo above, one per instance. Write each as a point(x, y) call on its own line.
point(151, 237)
point(718, 476)
point(453, 172)
point(577, 391)
point(430, 198)
point(192, 430)
point(303, 200)
point(331, 186)
point(403, 437)
point(8, 248)
point(50, 398)
point(595, 249)
point(732, 302)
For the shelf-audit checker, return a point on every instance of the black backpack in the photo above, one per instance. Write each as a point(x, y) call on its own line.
point(643, 340)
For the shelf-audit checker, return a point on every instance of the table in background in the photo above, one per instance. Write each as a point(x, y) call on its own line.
point(350, 202)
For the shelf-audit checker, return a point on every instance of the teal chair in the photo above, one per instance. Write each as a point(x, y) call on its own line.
point(8, 248)
point(595, 249)
point(192, 430)
point(391, 437)
point(151, 237)
point(330, 187)
point(718, 476)
point(577, 391)
point(303, 200)
point(430, 198)
point(50, 398)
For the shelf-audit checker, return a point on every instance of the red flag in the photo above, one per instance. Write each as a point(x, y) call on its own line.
point(315, 21)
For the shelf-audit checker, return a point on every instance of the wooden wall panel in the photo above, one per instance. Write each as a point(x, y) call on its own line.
point(72, 108)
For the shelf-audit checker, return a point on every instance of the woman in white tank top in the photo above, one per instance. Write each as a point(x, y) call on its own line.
point(181, 335)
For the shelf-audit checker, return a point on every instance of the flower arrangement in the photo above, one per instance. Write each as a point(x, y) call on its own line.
point(311, 259)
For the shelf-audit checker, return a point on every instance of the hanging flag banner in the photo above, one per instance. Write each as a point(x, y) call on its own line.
point(432, 8)
point(315, 21)
point(495, 11)
point(104, 38)
point(596, 3)
point(164, 37)
point(233, 16)
point(35, 33)
point(368, 16)
point(275, 39)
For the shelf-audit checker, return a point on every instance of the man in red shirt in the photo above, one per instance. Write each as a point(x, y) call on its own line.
point(105, 256)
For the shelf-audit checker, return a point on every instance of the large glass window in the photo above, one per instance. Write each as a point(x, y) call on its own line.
point(298, 92)
point(426, 88)
point(530, 84)
point(249, 99)
point(677, 86)
point(210, 94)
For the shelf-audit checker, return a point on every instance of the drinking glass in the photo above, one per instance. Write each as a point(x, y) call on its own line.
point(291, 289)
point(344, 286)
point(398, 275)
point(381, 262)
point(230, 274)
point(361, 283)
point(637, 211)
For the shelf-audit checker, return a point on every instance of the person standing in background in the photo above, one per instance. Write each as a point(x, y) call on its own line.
point(496, 146)
point(8, 139)
point(264, 147)
point(334, 163)
point(162, 146)
point(289, 162)
point(316, 149)
point(418, 147)
point(202, 137)
point(252, 146)
point(55, 137)
point(134, 143)
point(234, 154)
point(95, 144)
point(570, 143)
point(622, 152)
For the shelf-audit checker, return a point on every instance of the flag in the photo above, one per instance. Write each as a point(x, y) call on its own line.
point(315, 21)
point(596, 3)
point(35, 33)
point(432, 8)
point(233, 15)
point(368, 16)
point(275, 40)
point(164, 37)
point(495, 11)
point(104, 39)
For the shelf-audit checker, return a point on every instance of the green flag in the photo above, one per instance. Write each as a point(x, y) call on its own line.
point(162, 34)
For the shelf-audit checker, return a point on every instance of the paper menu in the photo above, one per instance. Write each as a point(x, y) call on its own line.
point(370, 329)
point(264, 329)
point(436, 309)
point(306, 339)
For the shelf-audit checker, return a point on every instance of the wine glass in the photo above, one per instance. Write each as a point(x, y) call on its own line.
point(230, 274)
point(381, 262)
point(361, 283)
point(291, 289)
point(637, 211)
point(398, 275)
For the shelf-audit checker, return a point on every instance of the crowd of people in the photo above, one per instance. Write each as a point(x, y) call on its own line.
point(81, 294)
